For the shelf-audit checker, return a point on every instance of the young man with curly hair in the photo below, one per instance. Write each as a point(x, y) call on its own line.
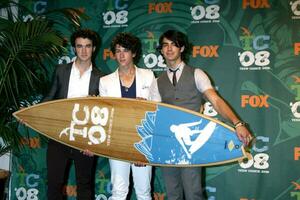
point(131, 82)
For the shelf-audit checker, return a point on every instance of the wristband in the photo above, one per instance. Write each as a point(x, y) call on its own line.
point(239, 123)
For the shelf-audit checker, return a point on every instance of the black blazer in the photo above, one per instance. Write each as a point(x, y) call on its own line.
point(60, 82)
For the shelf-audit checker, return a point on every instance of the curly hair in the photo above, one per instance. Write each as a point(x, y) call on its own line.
point(128, 41)
point(180, 40)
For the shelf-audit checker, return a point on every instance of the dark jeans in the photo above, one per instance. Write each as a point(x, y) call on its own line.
point(58, 158)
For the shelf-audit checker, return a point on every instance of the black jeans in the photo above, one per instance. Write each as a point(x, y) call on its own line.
point(58, 158)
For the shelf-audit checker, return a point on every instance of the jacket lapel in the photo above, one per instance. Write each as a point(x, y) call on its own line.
point(65, 77)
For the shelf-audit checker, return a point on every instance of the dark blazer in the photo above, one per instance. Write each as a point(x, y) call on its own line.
point(60, 82)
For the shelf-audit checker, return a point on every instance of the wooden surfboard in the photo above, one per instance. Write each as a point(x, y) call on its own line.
point(135, 131)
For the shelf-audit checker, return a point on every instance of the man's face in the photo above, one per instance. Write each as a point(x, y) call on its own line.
point(124, 56)
point(84, 49)
point(171, 52)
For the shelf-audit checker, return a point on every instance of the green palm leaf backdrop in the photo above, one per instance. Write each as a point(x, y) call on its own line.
point(27, 47)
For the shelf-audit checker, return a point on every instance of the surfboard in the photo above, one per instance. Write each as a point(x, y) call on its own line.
point(135, 131)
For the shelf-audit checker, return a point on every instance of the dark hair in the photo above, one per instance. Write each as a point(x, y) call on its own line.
point(180, 40)
point(128, 41)
point(86, 33)
point(89, 34)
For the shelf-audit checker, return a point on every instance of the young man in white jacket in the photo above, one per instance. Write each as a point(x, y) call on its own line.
point(128, 81)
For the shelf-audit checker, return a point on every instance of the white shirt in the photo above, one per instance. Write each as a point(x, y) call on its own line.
point(201, 80)
point(79, 85)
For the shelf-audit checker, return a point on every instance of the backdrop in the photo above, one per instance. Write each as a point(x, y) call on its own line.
point(249, 48)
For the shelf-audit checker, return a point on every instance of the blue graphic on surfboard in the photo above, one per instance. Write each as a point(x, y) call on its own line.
point(188, 139)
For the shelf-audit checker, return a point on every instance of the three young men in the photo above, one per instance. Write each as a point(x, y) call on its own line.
point(180, 85)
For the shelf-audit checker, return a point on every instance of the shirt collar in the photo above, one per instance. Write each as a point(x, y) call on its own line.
point(77, 70)
point(179, 67)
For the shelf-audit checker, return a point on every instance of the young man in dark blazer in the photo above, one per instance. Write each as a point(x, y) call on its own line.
point(77, 79)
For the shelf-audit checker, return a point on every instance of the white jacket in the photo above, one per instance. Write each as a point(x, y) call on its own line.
point(109, 85)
